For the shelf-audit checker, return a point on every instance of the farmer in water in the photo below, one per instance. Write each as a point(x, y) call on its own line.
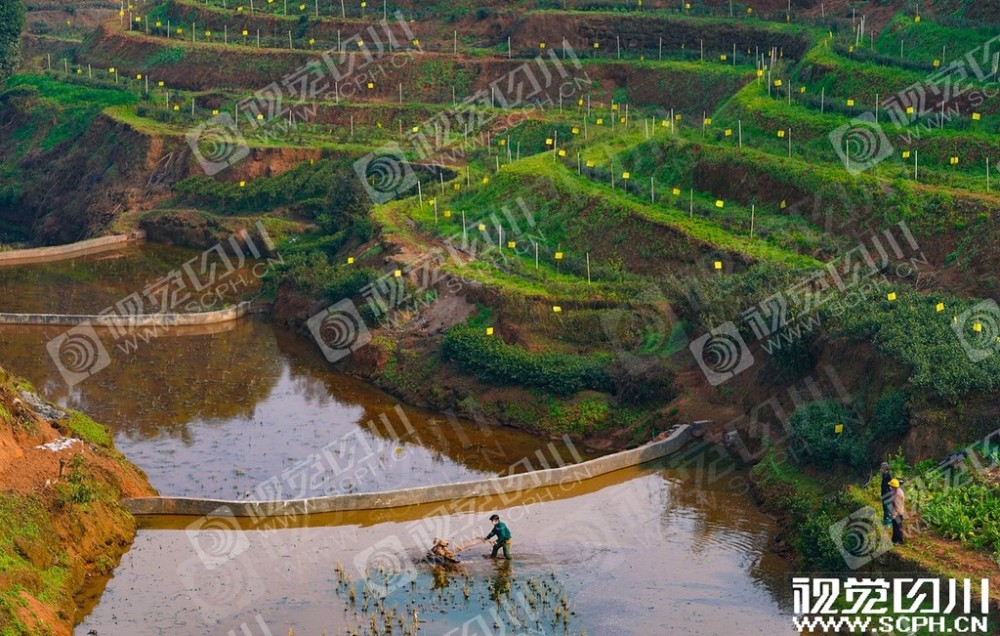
point(502, 533)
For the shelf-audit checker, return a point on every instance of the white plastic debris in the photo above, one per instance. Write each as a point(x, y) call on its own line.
point(59, 444)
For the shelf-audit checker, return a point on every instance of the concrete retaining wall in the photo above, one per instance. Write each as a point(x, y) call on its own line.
point(73, 250)
point(130, 322)
point(188, 506)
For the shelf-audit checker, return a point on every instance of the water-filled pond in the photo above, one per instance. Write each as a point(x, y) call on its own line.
point(652, 550)
point(246, 410)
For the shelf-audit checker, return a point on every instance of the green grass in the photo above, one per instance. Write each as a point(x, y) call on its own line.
point(71, 94)
point(73, 107)
point(927, 40)
point(88, 430)
point(167, 56)
point(26, 523)
point(697, 229)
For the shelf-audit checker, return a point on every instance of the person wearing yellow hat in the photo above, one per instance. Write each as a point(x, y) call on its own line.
point(886, 496)
point(898, 511)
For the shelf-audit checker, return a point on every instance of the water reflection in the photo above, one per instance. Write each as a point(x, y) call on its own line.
point(631, 553)
point(90, 284)
point(222, 414)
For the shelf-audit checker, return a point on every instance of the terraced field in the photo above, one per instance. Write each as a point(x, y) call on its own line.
point(581, 217)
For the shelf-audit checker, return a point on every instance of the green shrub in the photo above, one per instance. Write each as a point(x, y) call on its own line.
point(913, 331)
point(11, 25)
point(347, 282)
point(794, 358)
point(890, 415)
point(493, 360)
point(816, 423)
point(643, 380)
point(311, 271)
point(815, 543)
point(302, 185)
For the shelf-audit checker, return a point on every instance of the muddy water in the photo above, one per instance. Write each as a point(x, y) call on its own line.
point(246, 410)
point(651, 550)
point(94, 283)
point(238, 410)
point(254, 412)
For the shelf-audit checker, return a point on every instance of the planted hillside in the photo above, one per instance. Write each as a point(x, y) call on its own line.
point(599, 219)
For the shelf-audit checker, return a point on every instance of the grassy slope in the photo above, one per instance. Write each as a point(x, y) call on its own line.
point(57, 535)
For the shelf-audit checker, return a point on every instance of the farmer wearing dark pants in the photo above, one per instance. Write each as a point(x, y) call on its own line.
point(502, 533)
point(886, 496)
point(898, 510)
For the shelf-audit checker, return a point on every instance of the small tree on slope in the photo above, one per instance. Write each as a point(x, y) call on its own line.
point(11, 25)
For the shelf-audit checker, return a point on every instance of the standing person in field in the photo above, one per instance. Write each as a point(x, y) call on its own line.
point(502, 533)
point(898, 511)
point(886, 496)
